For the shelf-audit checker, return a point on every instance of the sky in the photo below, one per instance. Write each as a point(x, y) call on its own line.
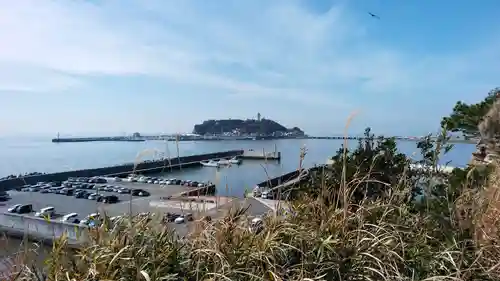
point(161, 66)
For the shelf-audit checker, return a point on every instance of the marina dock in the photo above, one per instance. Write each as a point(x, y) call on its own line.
point(261, 155)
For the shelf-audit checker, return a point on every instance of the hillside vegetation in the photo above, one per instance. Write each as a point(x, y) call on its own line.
point(367, 217)
point(249, 126)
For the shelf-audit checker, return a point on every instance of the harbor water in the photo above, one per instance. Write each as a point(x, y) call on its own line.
point(25, 155)
point(21, 156)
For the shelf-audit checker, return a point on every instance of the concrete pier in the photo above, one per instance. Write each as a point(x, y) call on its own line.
point(261, 155)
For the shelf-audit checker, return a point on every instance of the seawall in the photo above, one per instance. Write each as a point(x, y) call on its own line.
point(273, 182)
point(119, 170)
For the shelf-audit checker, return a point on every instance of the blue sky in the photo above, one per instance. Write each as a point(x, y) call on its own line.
point(112, 67)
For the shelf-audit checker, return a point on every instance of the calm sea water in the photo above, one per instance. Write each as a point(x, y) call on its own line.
point(23, 155)
point(40, 155)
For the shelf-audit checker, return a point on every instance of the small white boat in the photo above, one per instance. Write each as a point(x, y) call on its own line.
point(224, 162)
point(235, 160)
point(210, 163)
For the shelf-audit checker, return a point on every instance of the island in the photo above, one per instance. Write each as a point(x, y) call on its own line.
point(260, 128)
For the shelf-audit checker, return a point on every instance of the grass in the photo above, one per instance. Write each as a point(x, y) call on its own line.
point(333, 233)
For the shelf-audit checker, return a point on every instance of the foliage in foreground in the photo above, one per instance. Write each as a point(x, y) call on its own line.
point(466, 118)
point(340, 229)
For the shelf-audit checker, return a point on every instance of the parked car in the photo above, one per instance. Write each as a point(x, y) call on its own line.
point(98, 180)
point(46, 212)
point(179, 220)
point(25, 209)
point(140, 192)
point(14, 208)
point(170, 217)
point(81, 194)
point(93, 196)
point(91, 220)
point(124, 190)
point(47, 186)
point(70, 218)
point(108, 199)
point(55, 189)
point(67, 191)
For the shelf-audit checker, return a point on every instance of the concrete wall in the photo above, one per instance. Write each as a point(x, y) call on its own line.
point(119, 170)
point(283, 178)
point(279, 180)
point(39, 228)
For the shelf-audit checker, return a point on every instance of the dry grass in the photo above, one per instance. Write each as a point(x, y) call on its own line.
point(382, 240)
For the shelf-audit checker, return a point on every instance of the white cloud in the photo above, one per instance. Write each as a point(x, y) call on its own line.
point(282, 50)
point(83, 38)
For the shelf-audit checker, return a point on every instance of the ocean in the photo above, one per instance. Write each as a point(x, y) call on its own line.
point(25, 155)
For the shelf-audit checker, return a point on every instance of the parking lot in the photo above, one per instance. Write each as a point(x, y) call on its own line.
point(65, 204)
point(154, 203)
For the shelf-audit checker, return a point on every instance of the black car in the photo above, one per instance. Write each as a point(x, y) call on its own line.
point(81, 194)
point(25, 209)
point(140, 192)
point(108, 199)
point(21, 209)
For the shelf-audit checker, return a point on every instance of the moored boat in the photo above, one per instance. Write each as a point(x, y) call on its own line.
point(235, 160)
point(210, 163)
point(224, 161)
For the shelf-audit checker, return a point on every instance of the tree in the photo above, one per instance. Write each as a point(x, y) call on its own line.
point(465, 118)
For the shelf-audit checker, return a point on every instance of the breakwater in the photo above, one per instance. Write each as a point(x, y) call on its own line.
point(57, 140)
point(280, 180)
point(120, 170)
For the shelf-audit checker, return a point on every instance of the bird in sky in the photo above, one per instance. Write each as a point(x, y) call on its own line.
point(373, 15)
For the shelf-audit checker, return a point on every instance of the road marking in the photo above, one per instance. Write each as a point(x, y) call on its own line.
point(183, 205)
point(272, 204)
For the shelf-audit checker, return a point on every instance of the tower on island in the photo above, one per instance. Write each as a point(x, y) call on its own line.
point(258, 117)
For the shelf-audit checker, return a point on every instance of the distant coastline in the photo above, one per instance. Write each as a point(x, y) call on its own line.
point(193, 137)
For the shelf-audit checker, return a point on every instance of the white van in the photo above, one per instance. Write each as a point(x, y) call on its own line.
point(47, 211)
point(69, 217)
